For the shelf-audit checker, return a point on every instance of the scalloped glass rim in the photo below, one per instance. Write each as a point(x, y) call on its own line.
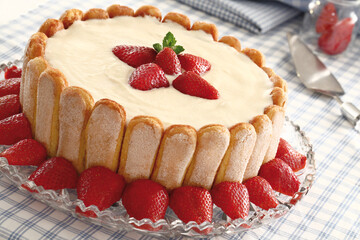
point(117, 219)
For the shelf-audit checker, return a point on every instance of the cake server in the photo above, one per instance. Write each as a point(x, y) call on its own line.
point(315, 76)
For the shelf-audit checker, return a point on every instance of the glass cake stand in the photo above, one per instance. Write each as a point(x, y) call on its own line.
point(117, 219)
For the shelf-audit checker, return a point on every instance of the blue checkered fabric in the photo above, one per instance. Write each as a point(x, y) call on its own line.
point(331, 210)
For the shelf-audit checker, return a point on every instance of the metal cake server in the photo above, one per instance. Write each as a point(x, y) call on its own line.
point(315, 76)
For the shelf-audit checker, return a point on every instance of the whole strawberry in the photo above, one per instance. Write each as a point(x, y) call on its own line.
point(232, 198)
point(55, 173)
point(10, 86)
point(261, 193)
point(194, 63)
point(168, 61)
point(288, 154)
point(192, 84)
point(327, 18)
point(25, 152)
point(99, 186)
point(9, 105)
point(134, 55)
point(12, 72)
point(145, 198)
point(280, 176)
point(14, 129)
point(148, 76)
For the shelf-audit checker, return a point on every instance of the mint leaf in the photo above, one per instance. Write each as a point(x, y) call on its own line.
point(157, 47)
point(169, 40)
point(178, 49)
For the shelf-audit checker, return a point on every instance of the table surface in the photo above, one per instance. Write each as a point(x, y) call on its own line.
point(331, 210)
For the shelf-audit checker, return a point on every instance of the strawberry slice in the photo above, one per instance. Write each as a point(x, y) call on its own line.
point(280, 176)
point(25, 152)
point(14, 129)
point(145, 198)
point(10, 86)
point(338, 38)
point(327, 18)
point(134, 55)
point(232, 198)
point(99, 186)
point(148, 76)
point(168, 61)
point(12, 72)
point(194, 63)
point(261, 193)
point(9, 105)
point(288, 154)
point(192, 84)
point(55, 173)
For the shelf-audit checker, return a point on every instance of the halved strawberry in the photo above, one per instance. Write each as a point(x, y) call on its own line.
point(327, 18)
point(14, 129)
point(194, 63)
point(25, 152)
point(10, 86)
point(261, 193)
point(9, 105)
point(148, 76)
point(134, 55)
point(168, 61)
point(288, 154)
point(12, 72)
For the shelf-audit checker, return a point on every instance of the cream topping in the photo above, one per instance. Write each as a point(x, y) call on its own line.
point(83, 53)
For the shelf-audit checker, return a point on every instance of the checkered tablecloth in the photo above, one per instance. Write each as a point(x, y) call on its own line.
point(331, 210)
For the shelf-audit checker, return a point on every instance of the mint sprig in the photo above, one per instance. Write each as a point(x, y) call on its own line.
point(169, 41)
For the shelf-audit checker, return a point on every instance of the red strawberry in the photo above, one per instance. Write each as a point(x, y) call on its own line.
point(288, 154)
point(261, 193)
point(192, 84)
point(327, 18)
point(280, 176)
point(10, 86)
point(25, 152)
point(148, 76)
point(134, 55)
point(14, 129)
point(99, 186)
point(338, 38)
point(12, 72)
point(9, 105)
point(194, 63)
point(55, 173)
point(168, 61)
point(232, 198)
point(192, 204)
point(144, 198)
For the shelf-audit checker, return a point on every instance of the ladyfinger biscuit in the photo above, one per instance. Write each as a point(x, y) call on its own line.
point(279, 97)
point(75, 107)
point(175, 153)
point(95, 13)
point(33, 70)
point(140, 146)
point(51, 84)
point(209, 28)
point(70, 16)
point(51, 26)
point(232, 42)
point(255, 55)
point(279, 82)
point(212, 142)
point(263, 128)
point(277, 117)
point(233, 165)
point(103, 135)
point(178, 18)
point(148, 10)
point(117, 10)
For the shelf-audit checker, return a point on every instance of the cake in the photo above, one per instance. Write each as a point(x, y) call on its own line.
point(75, 93)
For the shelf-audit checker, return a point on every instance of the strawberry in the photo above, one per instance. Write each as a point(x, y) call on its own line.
point(168, 61)
point(25, 152)
point(338, 38)
point(194, 63)
point(55, 173)
point(99, 186)
point(148, 76)
point(9, 105)
point(14, 129)
point(10, 86)
point(12, 72)
point(232, 198)
point(288, 154)
point(134, 55)
point(280, 176)
point(327, 18)
point(145, 198)
point(192, 204)
point(261, 193)
point(192, 84)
